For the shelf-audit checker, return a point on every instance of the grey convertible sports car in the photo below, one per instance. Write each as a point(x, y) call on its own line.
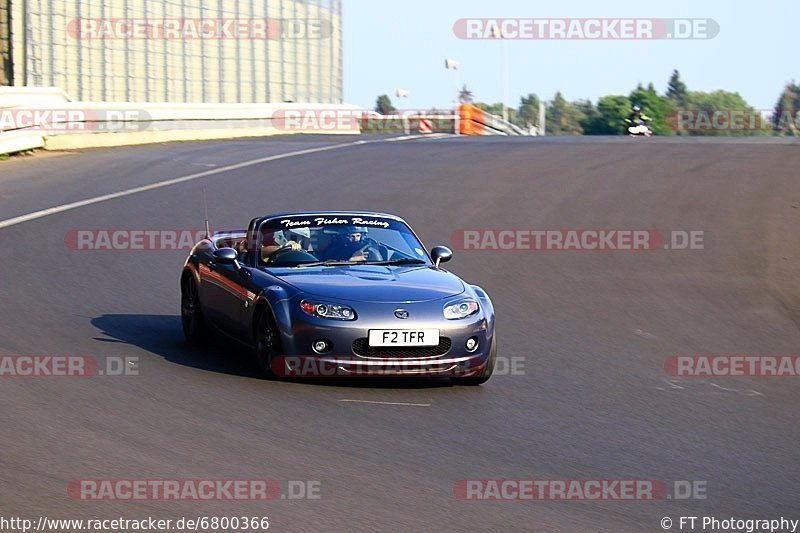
point(339, 294)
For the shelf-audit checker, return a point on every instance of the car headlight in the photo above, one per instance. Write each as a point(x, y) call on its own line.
point(323, 310)
point(460, 309)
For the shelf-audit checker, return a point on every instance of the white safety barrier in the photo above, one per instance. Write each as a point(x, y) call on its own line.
point(47, 117)
point(22, 96)
point(19, 141)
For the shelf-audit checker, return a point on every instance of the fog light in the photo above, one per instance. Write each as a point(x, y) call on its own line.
point(322, 346)
point(472, 344)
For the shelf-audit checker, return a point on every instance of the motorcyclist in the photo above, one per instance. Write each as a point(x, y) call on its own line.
point(637, 116)
point(637, 122)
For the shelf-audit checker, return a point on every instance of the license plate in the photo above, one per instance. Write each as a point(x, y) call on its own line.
point(403, 337)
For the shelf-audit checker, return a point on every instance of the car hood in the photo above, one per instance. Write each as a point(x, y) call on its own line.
point(365, 283)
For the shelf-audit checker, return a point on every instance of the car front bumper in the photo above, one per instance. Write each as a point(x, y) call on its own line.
point(350, 355)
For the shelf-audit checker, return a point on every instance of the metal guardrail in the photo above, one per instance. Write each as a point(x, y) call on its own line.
point(475, 121)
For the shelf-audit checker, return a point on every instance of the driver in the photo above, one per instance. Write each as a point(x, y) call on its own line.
point(295, 239)
point(349, 244)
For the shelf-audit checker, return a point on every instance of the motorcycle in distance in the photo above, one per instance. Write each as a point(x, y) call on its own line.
point(638, 128)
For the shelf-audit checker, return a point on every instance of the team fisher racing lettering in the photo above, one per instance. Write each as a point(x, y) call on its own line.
point(335, 221)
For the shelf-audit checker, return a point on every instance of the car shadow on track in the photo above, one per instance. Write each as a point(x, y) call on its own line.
point(162, 335)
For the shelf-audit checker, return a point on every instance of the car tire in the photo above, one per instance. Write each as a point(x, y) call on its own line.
point(485, 374)
point(192, 319)
point(266, 342)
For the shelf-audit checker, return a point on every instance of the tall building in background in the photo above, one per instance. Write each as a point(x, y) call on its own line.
point(224, 51)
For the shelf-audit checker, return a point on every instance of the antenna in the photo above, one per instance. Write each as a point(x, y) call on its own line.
point(205, 205)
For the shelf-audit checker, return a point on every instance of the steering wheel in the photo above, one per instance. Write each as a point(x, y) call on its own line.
point(373, 248)
point(273, 257)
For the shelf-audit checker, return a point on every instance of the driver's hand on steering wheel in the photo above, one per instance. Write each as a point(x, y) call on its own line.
point(268, 251)
point(361, 255)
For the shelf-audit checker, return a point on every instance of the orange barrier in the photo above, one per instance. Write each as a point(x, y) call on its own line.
point(471, 120)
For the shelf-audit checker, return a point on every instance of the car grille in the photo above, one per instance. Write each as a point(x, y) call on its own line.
point(361, 347)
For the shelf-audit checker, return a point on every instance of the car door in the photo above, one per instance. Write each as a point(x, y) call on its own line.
point(223, 295)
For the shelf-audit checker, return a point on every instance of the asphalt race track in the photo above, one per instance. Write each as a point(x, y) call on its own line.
point(592, 329)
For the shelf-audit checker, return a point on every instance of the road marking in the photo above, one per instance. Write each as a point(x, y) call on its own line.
point(749, 392)
point(389, 403)
point(174, 181)
point(671, 384)
point(720, 387)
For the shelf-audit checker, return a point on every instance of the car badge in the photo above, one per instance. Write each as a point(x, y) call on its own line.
point(402, 314)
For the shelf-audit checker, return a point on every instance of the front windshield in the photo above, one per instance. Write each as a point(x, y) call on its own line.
point(330, 240)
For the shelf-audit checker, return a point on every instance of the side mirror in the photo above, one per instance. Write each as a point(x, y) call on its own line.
point(441, 254)
point(227, 256)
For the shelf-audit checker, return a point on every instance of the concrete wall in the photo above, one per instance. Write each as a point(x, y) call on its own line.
point(79, 46)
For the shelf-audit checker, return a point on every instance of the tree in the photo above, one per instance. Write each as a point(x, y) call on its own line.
point(497, 110)
point(720, 113)
point(676, 90)
point(384, 105)
point(528, 111)
point(586, 112)
point(786, 117)
point(610, 118)
point(493, 109)
point(562, 117)
point(465, 96)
